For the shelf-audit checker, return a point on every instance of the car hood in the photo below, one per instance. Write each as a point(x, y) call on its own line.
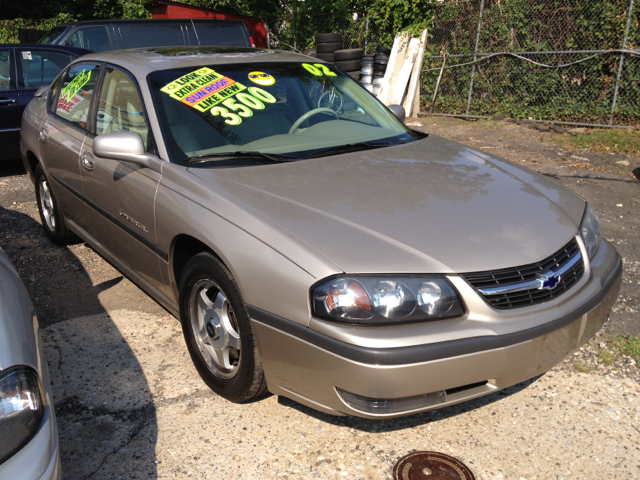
point(433, 205)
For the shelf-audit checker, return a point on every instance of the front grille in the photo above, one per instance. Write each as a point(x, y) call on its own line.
point(524, 279)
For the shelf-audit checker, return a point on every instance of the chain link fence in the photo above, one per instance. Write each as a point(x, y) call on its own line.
point(558, 60)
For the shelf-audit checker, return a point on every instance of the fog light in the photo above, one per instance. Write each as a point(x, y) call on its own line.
point(391, 405)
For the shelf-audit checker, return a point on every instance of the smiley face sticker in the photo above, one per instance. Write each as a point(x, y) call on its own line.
point(262, 78)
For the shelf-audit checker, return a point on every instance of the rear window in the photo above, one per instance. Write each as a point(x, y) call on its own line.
point(138, 35)
point(232, 34)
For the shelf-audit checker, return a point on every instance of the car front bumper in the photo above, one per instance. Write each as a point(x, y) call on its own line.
point(313, 369)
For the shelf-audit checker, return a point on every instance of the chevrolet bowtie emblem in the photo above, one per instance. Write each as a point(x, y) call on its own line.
point(548, 281)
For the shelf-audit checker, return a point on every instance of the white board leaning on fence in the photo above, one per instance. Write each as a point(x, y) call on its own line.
point(400, 43)
point(412, 100)
point(402, 79)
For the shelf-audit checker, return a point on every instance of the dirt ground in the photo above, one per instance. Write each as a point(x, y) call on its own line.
point(130, 404)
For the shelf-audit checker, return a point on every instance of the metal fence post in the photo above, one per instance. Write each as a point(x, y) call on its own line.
point(473, 69)
point(624, 45)
point(366, 34)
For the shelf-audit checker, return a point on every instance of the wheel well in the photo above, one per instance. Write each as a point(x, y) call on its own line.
point(32, 160)
point(184, 248)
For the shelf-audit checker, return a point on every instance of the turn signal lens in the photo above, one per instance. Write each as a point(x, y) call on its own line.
point(377, 300)
point(347, 298)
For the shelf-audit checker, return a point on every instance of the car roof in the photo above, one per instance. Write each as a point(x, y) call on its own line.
point(141, 61)
point(46, 46)
point(144, 20)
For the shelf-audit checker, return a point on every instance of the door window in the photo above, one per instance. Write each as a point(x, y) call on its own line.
point(74, 99)
point(5, 70)
point(120, 107)
point(41, 67)
point(91, 38)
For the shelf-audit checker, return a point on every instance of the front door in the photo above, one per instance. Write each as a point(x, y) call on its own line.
point(9, 111)
point(63, 133)
point(120, 194)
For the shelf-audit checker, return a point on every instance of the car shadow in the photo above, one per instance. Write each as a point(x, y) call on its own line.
point(401, 423)
point(105, 412)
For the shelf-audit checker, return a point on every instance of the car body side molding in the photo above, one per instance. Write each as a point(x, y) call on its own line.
point(115, 220)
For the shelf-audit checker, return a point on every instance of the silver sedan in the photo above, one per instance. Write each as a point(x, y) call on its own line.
point(310, 243)
point(28, 432)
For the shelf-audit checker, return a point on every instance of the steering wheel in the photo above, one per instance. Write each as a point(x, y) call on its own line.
point(311, 113)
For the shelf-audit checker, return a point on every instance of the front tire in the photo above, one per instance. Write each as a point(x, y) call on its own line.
point(217, 330)
point(51, 216)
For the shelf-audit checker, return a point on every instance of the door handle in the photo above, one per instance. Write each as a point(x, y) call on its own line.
point(87, 161)
point(44, 136)
point(7, 100)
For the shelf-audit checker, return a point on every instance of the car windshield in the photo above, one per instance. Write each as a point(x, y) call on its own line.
point(52, 35)
point(300, 110)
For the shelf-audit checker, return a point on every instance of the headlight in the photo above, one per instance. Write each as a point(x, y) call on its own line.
point(590, 231)
point(377, 300)
point(21, 409)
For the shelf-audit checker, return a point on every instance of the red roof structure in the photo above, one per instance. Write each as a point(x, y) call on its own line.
point(168, 9)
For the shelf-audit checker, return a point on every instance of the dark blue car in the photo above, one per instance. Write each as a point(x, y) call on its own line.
point(23, 69)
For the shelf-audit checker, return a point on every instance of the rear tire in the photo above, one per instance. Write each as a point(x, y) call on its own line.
point(51, 215)
point(217, 330)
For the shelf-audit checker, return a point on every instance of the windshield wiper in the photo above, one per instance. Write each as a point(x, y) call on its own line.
point(271, 157)
point(351, 147)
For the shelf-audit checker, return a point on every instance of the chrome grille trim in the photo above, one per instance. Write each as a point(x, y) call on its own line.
point(522, 286)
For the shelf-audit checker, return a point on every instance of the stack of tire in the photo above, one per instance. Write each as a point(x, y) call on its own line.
point(349, 61)
point(380, 62)
point(327, 44)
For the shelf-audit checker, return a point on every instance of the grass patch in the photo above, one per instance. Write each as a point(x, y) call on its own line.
point(581, 368)
point(607, 357)
point(608, 141)
point(627, 345)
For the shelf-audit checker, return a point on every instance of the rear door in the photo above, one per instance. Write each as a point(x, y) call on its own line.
point(64, 132)
point(9, 109)
point(120, 195)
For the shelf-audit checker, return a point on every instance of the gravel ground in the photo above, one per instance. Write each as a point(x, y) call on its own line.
point(130, 404)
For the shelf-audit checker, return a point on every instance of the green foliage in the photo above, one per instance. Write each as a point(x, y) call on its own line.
point(9, 28)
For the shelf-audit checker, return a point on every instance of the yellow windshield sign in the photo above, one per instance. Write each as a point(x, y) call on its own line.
point(203, 89)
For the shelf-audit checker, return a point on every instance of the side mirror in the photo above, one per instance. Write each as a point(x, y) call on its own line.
point(126, 147)
point(42, 91)
point(398, 111)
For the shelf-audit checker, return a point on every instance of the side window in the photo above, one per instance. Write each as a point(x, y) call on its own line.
point(5, 70)
point(120, 107)
point(221, 34)
point(91, 38)
point(40, 67)
point(74, 99)
point(138, 35)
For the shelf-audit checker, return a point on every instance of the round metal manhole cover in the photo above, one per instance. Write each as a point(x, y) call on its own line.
point(431, 466)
